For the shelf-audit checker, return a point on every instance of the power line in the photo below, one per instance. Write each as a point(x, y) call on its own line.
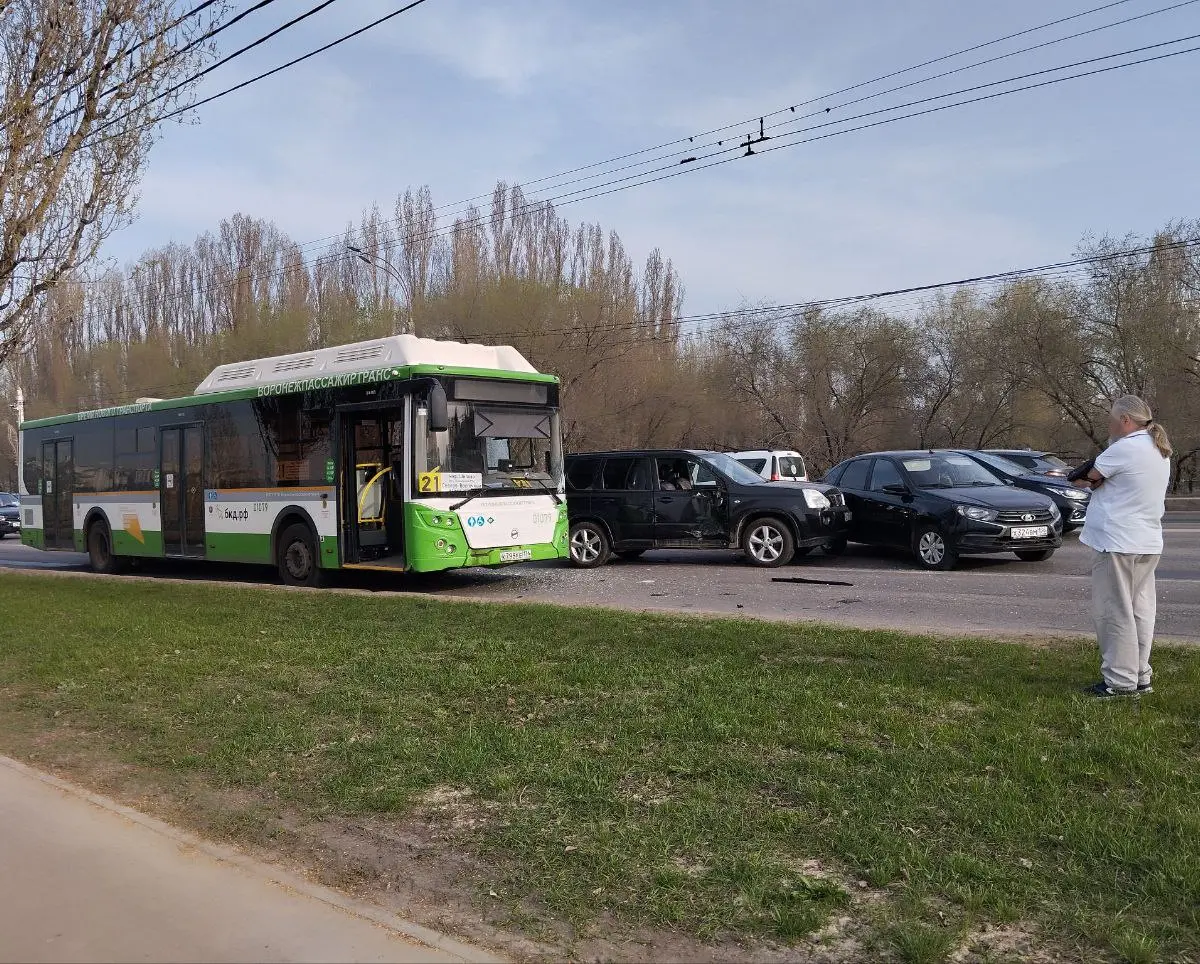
point(690, 140)
point(1061, 270)
point(173, 55)
point(845, 300)
point(718, 157)
point(220, 63)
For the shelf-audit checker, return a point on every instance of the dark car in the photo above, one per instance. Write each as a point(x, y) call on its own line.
point(940, 505)
point(1072, 502)
point(10, 514)
point(1043, 463)
point(628, 502)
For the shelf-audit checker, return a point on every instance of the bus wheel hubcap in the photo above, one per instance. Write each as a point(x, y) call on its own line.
point(766, 543)
point(585, 544)
point(932, 548)
point(298, 560)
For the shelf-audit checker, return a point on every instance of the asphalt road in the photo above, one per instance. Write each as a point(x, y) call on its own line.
point(867, 587)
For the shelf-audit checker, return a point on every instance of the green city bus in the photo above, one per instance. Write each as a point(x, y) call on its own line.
point(400, 454)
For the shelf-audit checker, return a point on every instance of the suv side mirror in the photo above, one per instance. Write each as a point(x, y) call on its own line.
point(895, 488)
point(439, 417)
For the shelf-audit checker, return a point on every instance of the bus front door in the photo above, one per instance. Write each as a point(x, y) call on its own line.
point(58, 493)
point(372, 513)
point(181, 491)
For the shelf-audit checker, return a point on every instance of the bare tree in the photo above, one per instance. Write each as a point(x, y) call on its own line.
point(83, 85)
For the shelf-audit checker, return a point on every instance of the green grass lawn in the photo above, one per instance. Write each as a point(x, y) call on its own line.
point(718, 777)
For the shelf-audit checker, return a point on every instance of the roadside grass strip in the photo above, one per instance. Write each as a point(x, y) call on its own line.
point(728, 779)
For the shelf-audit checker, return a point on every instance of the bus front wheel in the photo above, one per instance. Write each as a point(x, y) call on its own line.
point(297, 557)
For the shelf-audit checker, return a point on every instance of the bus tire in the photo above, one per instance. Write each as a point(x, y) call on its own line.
point(100, 551)
point(298, 558)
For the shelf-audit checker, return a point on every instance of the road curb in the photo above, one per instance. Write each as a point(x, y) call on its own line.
point(284, 879)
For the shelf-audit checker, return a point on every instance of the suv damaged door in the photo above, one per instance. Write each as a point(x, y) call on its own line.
point(691, 508)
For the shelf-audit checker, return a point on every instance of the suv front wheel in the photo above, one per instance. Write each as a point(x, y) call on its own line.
point(590, 547)
point(768, 543)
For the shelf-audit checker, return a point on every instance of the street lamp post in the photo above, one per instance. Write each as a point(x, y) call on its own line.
point(380, 264)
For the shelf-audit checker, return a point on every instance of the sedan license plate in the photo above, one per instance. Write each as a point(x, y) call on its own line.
point(1030, 532)
point(516, 555)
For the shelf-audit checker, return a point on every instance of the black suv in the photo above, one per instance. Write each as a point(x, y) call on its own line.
point(628, 502)
point(939, 504)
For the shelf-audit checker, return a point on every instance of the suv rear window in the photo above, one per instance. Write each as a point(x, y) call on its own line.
point(791, 467)
point(627, 474)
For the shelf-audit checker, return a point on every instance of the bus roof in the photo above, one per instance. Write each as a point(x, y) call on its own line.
point(396, 357)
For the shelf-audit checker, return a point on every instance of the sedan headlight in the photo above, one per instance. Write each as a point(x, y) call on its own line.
point(1079, 495)
point(977, 513)
point(815, 500)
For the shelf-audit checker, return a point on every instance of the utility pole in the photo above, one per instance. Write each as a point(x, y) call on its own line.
point(20, 406)
point(379, 264)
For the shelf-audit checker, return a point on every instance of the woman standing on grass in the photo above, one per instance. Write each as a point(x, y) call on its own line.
point(1124, 528)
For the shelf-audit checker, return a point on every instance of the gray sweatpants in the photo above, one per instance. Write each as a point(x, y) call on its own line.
point(1123, 607)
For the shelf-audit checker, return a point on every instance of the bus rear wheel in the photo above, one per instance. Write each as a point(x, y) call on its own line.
point(297, 558)
point(100, 551)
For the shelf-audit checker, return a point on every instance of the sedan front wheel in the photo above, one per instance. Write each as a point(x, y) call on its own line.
point(932, 549)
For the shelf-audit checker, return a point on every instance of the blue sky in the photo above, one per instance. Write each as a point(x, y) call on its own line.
point(459, 93)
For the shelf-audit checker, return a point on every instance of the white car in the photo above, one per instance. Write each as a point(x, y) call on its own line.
point(777, 466)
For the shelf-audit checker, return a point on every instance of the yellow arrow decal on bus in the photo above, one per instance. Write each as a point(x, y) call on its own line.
point(133, 526)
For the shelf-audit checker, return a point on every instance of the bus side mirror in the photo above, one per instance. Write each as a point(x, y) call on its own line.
point(439, 418)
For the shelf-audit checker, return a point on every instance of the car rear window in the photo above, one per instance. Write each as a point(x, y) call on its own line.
point(754, 465)
point(627, 473)
point(791, 467)
point(855, 475)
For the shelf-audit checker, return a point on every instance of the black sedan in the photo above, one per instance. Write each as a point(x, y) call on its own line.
point(10, 514)
point(1071, 502)
point(940, 505)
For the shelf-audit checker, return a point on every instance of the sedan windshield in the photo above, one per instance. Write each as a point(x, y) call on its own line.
point(7, 499)
point(941, 471)
point(733, 469)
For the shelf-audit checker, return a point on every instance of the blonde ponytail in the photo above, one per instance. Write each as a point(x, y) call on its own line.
point(1158, 435)
point(1140, 412)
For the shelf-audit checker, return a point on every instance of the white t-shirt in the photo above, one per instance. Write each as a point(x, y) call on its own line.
point(1125, 513)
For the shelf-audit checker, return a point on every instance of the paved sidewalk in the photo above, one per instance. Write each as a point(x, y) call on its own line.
point(85, 879)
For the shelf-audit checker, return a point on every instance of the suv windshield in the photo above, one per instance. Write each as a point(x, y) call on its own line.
point(7, 499)
point(941, 471)
point(732, 468)
point(1001, 463)
point(488, 447)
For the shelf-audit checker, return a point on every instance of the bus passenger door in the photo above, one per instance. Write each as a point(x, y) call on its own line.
point(58, 493)
point(181, 491)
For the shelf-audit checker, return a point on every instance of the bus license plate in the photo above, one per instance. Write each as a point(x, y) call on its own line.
point(516, 555)
point(1030, 532)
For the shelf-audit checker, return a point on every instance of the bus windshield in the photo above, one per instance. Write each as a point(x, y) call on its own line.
point(488, 448)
